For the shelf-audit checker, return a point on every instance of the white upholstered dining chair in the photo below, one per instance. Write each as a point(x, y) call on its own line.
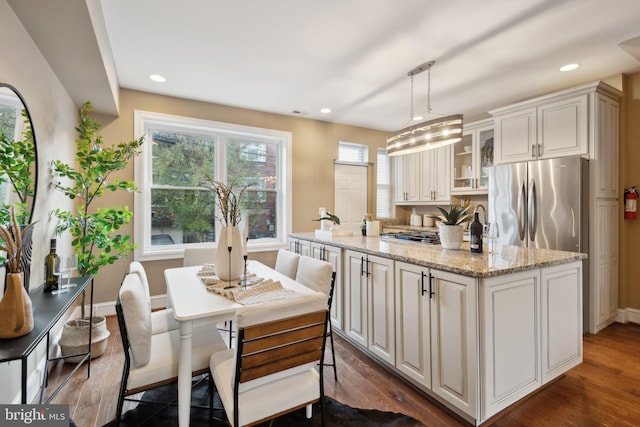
point(319, 276)
point(272, 369)
point(199, 256)
point(161, 320)
point(287, 263)
point(151, 359)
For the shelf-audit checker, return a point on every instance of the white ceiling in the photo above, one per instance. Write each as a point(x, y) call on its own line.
point(353, 55)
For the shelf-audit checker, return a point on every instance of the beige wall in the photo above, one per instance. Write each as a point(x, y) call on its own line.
point(314, 148)
point(54, 117)
point(629, 283)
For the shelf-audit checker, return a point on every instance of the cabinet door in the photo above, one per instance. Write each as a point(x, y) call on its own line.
point(515, 136)
point(302, 247)
point(356, 301)
point(561, 319)
point(483, 157)
point(441, 174)
point(381, 293)
point(603, 292)
point(413, 319)
point(463, 164)
point(510, 347)
point(605, 155)
point(454, 350)
point(407, 177)
point(332, 255)
point(563, 128)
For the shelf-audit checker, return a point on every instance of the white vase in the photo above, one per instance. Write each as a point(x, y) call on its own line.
point(450, 236)
point(229, 265)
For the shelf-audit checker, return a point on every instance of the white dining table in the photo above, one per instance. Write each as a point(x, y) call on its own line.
point(191, 301)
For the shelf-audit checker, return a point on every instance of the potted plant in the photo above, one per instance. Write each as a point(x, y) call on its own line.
point(450, 225)
point(15, 308)
point(94, 232)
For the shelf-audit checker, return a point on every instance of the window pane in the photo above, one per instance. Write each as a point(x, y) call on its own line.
point(350, 152)
point(182, 216)
point(261, 208)
point(252, 163)
point(181, 159)
point(383, 179)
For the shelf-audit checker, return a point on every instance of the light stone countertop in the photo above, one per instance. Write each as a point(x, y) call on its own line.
point(506, 260)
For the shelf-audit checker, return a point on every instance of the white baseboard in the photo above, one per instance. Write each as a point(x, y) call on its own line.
point(626, 315)
point(109, 308)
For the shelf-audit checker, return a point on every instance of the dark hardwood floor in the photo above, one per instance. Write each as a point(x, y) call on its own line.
point(603, 390)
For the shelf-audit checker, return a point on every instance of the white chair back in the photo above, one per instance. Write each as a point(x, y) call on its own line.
point(314, 274)
point(137, 268)
point(287, 263)
point(137, 317)
point(199, 256)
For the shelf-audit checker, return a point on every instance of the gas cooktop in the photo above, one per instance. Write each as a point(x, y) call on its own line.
point(428, 237)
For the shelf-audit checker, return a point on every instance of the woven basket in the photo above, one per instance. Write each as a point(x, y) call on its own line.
point(75, 337)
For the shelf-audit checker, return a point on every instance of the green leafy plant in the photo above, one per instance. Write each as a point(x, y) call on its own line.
point(454, 216)
point(330, 217)
point(17, 159)
point(95, 232)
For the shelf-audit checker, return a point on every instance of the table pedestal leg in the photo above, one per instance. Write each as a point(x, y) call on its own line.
point(184, 374)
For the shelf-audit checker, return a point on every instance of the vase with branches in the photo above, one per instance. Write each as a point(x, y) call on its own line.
point(15, 308)
point(231, 246)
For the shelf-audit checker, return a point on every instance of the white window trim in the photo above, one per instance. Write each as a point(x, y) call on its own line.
point(142, 167)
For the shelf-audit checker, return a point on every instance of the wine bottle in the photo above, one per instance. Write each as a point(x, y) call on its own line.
point(476, 234)
point(50, 262)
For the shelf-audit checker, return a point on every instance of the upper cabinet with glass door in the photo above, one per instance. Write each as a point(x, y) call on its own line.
point(472, 158)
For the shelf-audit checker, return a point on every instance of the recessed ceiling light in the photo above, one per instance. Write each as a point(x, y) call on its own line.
point(157, 78)
point(417, 118)
point(569, 67)
point(325, 110)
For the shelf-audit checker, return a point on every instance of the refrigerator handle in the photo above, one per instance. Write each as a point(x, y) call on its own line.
point(522, 202)
point(533, 211)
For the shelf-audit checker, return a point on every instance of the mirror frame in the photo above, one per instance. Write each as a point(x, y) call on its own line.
point(35, 146)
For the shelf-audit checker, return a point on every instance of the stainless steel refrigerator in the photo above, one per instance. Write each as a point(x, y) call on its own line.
point(541, 203)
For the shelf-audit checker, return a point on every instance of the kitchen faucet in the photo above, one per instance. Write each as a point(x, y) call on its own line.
point(484, 216)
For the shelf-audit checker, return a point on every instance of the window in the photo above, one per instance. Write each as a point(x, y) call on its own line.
point(383, 185)
point(350, 152)
point(173, 208)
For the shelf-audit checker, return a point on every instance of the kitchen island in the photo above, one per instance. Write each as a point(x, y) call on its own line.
point(477, 332)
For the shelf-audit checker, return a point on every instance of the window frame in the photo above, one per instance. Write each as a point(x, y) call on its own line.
point(220, 131)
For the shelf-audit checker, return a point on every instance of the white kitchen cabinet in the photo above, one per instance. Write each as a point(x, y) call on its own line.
point(511, 339)
point(579, 121)
point(454, 349)
point(561, 319)
point(435, 173)
point(423, 177)
point(413, 323)
point(603, 264)
point(369, 303)
point(333, 255)
point(472, 157)
point(436, 334)
point(406, 177)
point(605, 158)
point(301, 247)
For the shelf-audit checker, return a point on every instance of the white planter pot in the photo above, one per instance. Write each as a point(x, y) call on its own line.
point(451, 236)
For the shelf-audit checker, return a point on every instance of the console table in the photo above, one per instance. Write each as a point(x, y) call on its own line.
point(47, 311)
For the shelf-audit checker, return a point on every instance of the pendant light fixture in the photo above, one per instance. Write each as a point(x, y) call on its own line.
point(428, 134)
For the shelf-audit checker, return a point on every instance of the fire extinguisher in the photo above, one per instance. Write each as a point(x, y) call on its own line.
point(630, 202)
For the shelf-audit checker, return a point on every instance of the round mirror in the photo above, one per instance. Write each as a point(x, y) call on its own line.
point(18, 158)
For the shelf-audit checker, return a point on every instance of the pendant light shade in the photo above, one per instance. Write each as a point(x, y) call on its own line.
point(425, 135)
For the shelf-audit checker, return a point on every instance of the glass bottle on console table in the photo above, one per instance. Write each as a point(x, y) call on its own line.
point(475, 231)
point(50, 262)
